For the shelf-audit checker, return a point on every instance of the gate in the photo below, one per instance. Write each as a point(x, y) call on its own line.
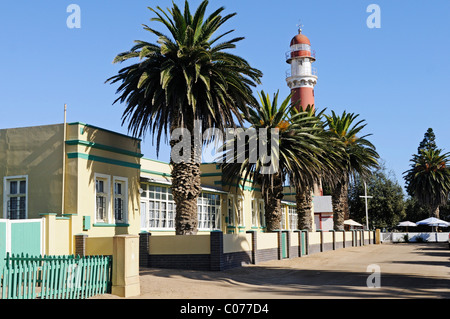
point(284, 245)
point(21, 236)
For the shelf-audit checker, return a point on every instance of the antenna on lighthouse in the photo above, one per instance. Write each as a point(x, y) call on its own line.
point(300, 26)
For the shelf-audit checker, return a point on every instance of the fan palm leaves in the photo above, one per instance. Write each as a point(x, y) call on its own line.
point(359, 160)
point(187, 77)
point(294, 149)
point(428, 179)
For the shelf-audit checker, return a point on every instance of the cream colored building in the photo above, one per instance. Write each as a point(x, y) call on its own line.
point(95, 182)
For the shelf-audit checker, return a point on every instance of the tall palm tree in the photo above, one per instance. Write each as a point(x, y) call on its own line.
point(428, 179)
point(187, 77)
point(360, 158)
point(329, 159)
point(298, 146)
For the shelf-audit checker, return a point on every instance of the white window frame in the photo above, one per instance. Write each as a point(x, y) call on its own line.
point(6, 195)
point(293, 217)
point(262, 213)
point(123, 196)
point(106, 187)
point(255, 212)
point(209, 209)
point(231, 210)
point(167, 202)
point(240, 211)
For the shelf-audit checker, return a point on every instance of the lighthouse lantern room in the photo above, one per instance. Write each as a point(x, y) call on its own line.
point(302, 77)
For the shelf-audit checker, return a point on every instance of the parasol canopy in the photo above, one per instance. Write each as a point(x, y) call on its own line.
point(351, 222)
point(433, 221)
point(407, 224)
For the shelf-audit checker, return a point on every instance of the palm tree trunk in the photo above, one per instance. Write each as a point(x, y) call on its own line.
point(186, 187)
point(304, 209)
point(434, 211)
point(339, 201)
point(272, 205)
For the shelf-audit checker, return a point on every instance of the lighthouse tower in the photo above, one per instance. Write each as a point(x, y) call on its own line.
point(302, 78)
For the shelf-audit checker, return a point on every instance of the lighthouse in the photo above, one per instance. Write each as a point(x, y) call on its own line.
point(302, 77)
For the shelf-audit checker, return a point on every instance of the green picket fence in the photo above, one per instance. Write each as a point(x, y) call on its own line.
point(55, 277)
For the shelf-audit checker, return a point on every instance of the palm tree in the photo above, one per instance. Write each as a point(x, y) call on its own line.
point(329, 159)
point(360, 158)
point(187, 77)
point(298, 146)
point(428, 179)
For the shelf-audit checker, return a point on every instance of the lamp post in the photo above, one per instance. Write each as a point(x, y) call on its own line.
point(367, 209)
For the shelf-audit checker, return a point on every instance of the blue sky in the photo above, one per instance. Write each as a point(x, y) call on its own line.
point(396, 77)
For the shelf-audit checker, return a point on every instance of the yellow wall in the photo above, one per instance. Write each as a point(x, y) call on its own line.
point(267, 240)
point(96, 152)
point(167, 245)
point(35, 152)
point(236, 243)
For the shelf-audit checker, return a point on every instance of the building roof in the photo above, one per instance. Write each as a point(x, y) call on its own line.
point(322, 204)
point(300, 39)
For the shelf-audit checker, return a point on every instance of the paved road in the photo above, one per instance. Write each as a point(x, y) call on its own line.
point(405, 271)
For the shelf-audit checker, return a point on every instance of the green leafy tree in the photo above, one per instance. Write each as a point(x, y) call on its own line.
point(299, 147)
point(387, 207)
point(189, 76)
point(428, 179)
point(359, 160)
point(428, 142)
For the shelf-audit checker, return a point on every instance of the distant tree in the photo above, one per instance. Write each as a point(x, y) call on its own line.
point(386, 208)
point(428, 142)
point(428, 179)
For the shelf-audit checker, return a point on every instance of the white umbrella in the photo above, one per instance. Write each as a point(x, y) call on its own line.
point(407, 224)
point(433, 221)
point(351, 222)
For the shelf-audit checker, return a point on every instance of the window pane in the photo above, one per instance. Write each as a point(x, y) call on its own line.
point(23, 187)
point(13, 187)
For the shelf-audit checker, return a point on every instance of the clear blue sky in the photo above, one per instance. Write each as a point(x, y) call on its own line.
point(396, 77)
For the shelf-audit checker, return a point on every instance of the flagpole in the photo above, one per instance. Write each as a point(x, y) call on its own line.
point(367, 209)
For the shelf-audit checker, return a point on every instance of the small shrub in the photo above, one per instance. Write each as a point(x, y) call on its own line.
point(406, 238)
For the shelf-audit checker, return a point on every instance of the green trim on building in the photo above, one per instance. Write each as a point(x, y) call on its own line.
point(102, 129)
point(247, 188)
point(155, 173)
point(103, 160)
point(104, 147)
point(211, 174)
point(110, 225)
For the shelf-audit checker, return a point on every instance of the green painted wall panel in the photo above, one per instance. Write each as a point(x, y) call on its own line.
point(26, 238)
point(2, 243)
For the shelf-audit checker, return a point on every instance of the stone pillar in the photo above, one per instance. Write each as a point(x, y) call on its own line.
point(377, 236)
point(80, 244)
point(125, 271)
point(216, 251)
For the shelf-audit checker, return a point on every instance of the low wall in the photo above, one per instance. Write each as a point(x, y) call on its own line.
point(420, 237)
point(219, 251)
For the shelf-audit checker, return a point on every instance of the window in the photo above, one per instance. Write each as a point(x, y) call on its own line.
point(208, 211)
point(159, 207)
point(240, 212)
point(16, 197)
point(120, 199)
point(262, 216)
point(230, 207)
point(293, 217)
point(101, 198)
point(254, 213)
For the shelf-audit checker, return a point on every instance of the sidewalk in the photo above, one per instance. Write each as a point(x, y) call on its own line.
point(406, 271)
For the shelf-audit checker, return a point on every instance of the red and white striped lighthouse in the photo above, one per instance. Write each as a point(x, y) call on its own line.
point(302, 78)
